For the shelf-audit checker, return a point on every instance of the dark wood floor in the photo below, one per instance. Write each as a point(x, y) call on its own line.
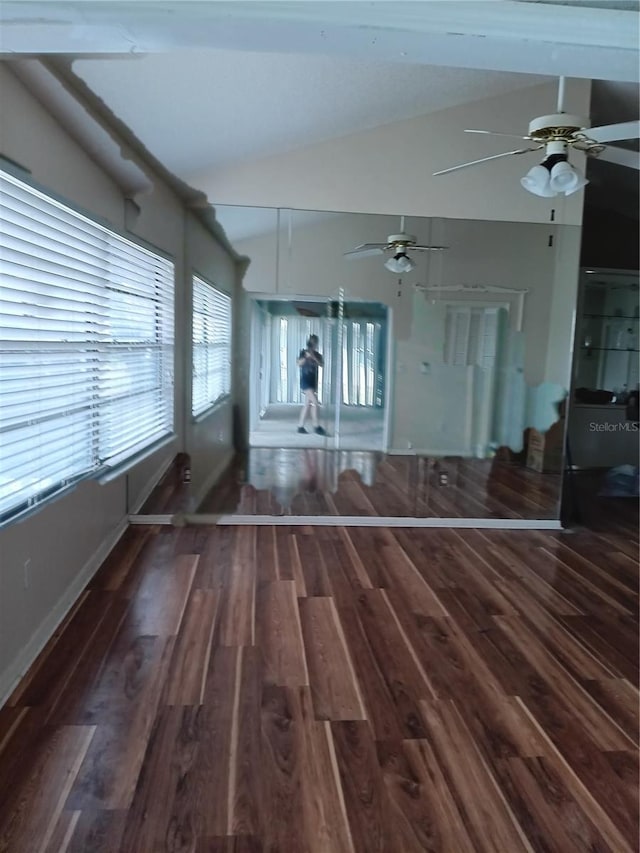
point(272, 481)
point(332, 689)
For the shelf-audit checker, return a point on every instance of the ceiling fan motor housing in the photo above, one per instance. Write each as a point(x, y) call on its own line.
point(557, 126)
point(401, 239)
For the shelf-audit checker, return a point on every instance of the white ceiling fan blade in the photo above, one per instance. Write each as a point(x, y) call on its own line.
point(614, 132)
point(484, 159)
point(426, 248)
point(367, 250)
point(498, 133)
point(621, 156)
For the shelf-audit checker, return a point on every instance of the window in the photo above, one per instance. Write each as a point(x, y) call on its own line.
point(471, 335)
point(211, 346)
point(289, 337)
point(86, 346)
point(362, 360)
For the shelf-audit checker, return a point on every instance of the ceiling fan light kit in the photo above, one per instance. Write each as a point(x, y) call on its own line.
point(536, 181)
point(400, 244)
point(557, 133)
point(399, 263)
point(555, 175)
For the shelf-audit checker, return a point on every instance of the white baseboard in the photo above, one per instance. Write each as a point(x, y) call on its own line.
point(433, 454)
point(374, 521)
point(141, 520)
point(10, 678)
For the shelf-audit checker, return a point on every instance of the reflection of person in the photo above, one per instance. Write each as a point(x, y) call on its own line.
point(308, 361)
point(309, 482)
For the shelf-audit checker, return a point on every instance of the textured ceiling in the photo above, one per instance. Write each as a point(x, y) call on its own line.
point(207, 84)
point(196, 110)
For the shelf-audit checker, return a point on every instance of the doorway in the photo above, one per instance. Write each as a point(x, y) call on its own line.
point(353, 391)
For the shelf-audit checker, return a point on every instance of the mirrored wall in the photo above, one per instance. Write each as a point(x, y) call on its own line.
point(441, 387)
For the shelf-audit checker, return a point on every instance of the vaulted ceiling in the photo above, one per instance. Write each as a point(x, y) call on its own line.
point(206, 84)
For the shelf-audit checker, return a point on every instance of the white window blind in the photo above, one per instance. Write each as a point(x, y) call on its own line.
point(86, 346)
point(211, 346)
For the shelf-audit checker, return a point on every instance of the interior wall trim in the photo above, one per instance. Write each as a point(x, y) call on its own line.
point(17, 669)
point(372, 521)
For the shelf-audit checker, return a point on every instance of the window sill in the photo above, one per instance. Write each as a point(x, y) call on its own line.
point(123, 467)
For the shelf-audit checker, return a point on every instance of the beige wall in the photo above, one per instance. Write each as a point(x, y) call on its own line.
point(64, 542)
point(389, 169)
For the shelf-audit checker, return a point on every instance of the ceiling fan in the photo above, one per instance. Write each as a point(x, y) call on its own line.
point(557, 133)
point(398, 245)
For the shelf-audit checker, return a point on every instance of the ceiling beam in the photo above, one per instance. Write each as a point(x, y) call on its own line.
point(504, 35)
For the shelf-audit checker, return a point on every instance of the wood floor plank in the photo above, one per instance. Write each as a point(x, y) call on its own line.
point(280, 635)
point(69, 705)
point(163, 595)
point(187, 674)
point(325, 813)
point(97, 831)
point(155, 821)
point(33, 813)
point(268, 566)
point(463, 674)
point(334, 686)
point(216, 559)
point(156, 554)
point(376, 693)
point(61, 836)
point(331, 690)
point(619, 700)
point(11, 716)
point(38, 671)
point(493, 824)
point(355, 568)
point(314, 570)
point(547, 810)
point(293, 565)
point(123, 557)
point(625, 766)
point(445, 822)
point(403, 575)
point(411, 812)
point(605, 644)
point(281, 771)
point(230, 844)
point(212, 771)
point(398, 663)
point(583, 774)
point(366, 800)
point(245, 794)
point(124, 708)
point(576, 656)
point(238, 604)
point(600, 727)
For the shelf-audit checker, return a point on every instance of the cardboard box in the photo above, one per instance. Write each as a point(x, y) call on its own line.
point(545, 449)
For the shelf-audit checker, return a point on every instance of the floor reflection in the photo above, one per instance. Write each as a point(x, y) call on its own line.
point(303, 481)
point(358, 428)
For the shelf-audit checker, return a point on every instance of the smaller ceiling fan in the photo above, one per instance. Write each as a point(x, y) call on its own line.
point(397, 245)
point(557, 133)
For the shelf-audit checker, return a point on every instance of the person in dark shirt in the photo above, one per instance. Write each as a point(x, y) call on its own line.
point(308, 361)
